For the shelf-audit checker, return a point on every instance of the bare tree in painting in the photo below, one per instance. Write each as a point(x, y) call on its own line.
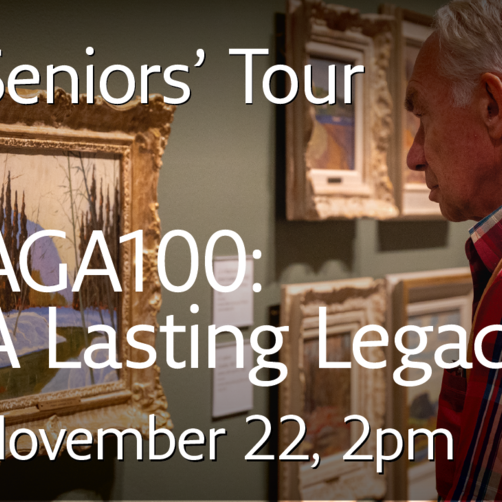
point(97, 290)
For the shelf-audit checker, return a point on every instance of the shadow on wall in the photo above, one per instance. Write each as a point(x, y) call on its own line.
point(49, 480)
point(280, 121)
point(313, 243)
point(405, 235)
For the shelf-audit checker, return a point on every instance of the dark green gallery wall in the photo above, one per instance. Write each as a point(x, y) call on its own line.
point(219, 172)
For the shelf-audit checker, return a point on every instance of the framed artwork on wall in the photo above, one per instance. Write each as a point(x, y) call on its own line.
point(336, 154)
point(78, 168)
point(410, 31)
point(323, 397)
point(422, 299)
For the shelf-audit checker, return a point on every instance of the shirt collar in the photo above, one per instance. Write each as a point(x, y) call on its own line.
point(486, 235)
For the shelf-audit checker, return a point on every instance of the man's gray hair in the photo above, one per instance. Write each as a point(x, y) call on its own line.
point(470, 37)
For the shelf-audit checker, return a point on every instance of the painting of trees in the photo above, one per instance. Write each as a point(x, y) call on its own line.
point(14, 231)
point(102, 213)
point(76, 193)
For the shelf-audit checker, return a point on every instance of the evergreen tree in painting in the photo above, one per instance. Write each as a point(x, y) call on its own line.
point(14, 231)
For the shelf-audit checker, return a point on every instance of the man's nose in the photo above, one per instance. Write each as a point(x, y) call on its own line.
point(416, 156)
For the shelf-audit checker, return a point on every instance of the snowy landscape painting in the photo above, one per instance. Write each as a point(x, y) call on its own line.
point(76, 193)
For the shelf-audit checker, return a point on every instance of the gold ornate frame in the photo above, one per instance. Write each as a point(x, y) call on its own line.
point(350, 304)
point(430, 291)
point(410, 29)
point(138, 134)
point(314, 28)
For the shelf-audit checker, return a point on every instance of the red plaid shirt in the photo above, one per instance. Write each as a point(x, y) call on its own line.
point(476, 472)
point(484, 251)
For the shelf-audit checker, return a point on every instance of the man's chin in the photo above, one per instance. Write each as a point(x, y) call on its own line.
point(451, 214)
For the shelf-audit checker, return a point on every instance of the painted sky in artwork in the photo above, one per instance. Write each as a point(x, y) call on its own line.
point(320, 69)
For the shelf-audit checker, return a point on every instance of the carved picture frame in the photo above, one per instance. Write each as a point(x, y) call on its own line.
point(338, 169)
point(435, 298)
point(350, 304)
point(135, 135)
point(410, 31)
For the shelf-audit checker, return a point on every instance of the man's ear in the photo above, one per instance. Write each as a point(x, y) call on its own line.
point(491, 104)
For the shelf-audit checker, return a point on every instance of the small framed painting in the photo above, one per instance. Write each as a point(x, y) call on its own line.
point(77, 169)
point(337, 153)
point(323, 397)
point(422, 299)
point(412, 195)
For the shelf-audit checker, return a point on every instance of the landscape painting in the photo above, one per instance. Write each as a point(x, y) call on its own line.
point(422, 401)
point(332, 143)
point(76, 193)
point(327, 397)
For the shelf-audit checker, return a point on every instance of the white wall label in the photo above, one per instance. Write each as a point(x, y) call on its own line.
point(232, 390)
point(234, 308)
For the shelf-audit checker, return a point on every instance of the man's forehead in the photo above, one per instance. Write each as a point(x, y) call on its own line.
point(428, 57)
point(426, 83)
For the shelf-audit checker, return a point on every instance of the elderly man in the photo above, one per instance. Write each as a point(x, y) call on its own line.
point(456, 91)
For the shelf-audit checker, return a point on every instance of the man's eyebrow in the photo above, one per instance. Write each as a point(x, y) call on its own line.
point(409, 102)
point(413, 101)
